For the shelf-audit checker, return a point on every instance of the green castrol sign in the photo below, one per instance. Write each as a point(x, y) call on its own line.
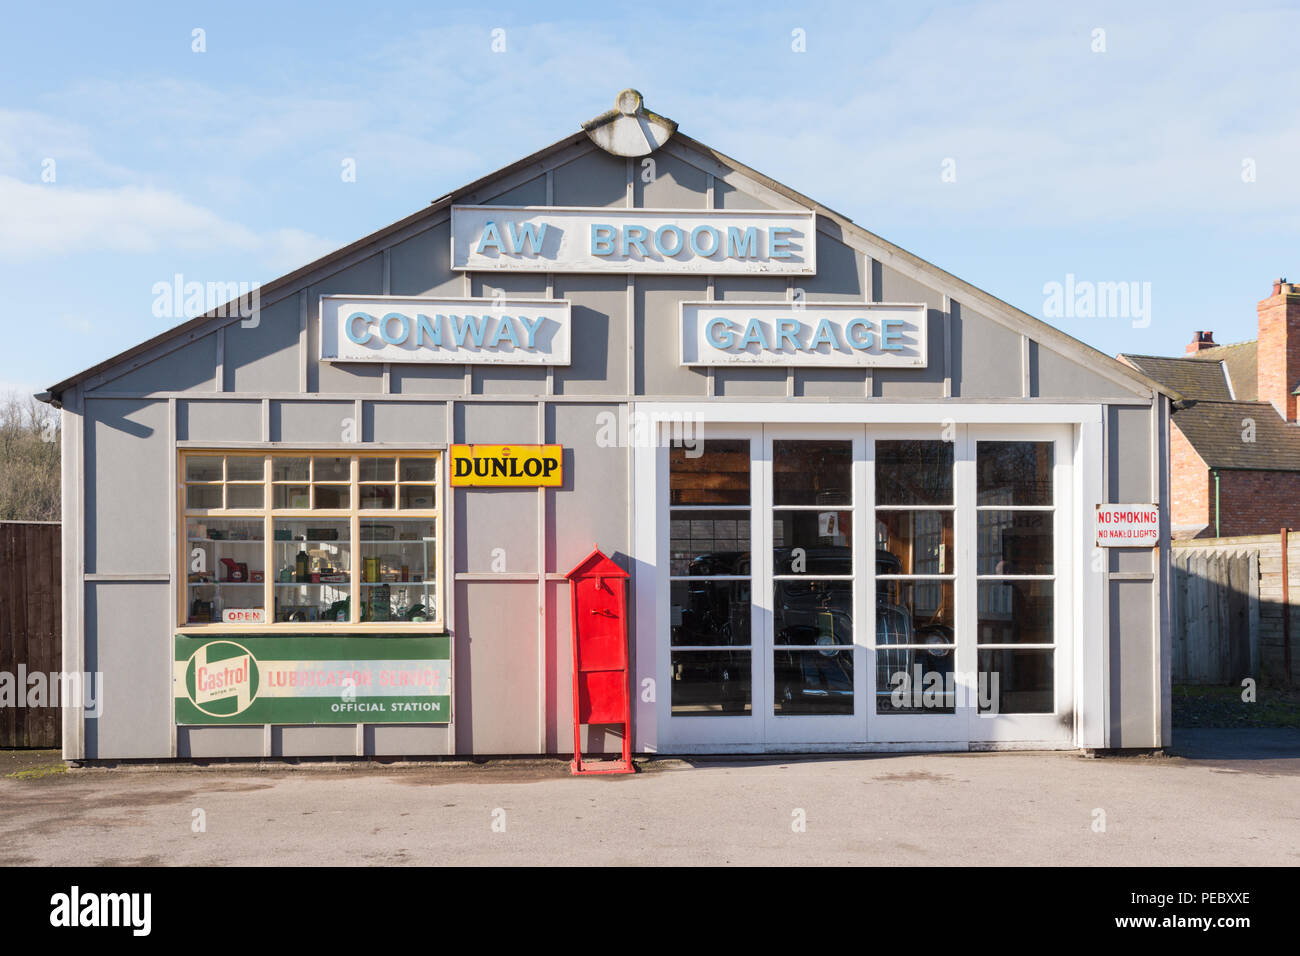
point(311, 680)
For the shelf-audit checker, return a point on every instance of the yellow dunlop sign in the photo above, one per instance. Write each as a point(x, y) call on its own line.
point(507, 466)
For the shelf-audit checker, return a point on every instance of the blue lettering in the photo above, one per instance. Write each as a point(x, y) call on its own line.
point(825, 335)
point(526, 234)
point(531, 328)
point(659, 240)
point(404, 324)
point(505, 332)
point(602, 239)
point(787, 330)
point(350, 327)
point(490, 238)
point(474, 325)
point(888, 337)
point(779, 248)
point(866, 339)
point(755, 334)
point(428, 329)
point(741, 245)
point(714, 244)
point(726, 340)
point(635, 236)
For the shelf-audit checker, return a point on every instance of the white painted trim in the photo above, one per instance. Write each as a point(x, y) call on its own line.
point(1091, 588)
point(74, 567)
point(859, 412)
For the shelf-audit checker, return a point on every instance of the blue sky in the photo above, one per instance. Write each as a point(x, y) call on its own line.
point(1126, 164)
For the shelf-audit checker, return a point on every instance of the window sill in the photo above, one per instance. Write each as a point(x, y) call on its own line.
point(317, 628)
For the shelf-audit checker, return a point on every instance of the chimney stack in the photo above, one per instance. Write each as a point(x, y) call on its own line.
point(1200, 340)
point(1278, 350)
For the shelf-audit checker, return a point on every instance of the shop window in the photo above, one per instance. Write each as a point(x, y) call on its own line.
point(303, 541)
point(1015, 576)
point(710, 579)
point(916, 644)
point(812, 579)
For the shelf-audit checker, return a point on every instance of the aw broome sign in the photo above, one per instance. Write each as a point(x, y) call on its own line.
point(311, 680)
point(1128, 526)
point(565, 239)
point(825, 334)
point(383, 328)
point(507, 466)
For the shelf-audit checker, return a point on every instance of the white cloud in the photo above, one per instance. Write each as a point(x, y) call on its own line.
point(50, 219)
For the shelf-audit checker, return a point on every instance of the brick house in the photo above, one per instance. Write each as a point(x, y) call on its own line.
point(1234, 442)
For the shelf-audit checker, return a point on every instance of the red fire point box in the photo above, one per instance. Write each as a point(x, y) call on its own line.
point(601, 693)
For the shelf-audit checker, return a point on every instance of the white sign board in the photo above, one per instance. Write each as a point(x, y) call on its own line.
point(822, 334)
point(382, 328)
point(565, 239)
point(1128, 526)
point(243, 615)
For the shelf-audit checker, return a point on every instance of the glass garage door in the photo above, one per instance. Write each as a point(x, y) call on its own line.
point(869, 585)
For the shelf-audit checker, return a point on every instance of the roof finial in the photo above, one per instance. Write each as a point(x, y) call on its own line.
point(630, 129)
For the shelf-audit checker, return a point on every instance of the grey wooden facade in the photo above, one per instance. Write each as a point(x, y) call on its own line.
point(215, 383)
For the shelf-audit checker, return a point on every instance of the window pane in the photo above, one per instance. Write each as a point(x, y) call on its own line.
point(375, 497)
point(914, 612)
point(203, 496)
point(1015, 542)
point(711, 683)
point(916, 542)
point(223, 561)
point(244, 496)
point(1015, 612)
point(202, 467)
point(420, 497)
point(812, 472)
point(1014, 472)
point(813, 682)
point(715, 472)
point(289, 469)
point(244, 468)
point(418, 469)
point(709, 542)
point(913, 680)
point(333, 496)
point(378, 469)
point(292, 496)
point(397, 569)
point(1015, 681)
point(706, 613)
point(820, 535)
point(914, 472)
point(313, 560)
point(812, 613)
point(332, 469)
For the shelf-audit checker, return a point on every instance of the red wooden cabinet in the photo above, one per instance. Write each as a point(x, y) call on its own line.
point(601, 692)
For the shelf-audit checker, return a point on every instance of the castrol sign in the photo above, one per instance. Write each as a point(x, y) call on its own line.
point(1128, 526)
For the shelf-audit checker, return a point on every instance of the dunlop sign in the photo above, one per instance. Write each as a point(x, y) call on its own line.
point(575, 240)
point(507, 466)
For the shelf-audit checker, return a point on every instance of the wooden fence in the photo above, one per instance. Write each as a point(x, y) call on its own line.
point(1228, 612)
point(31, 626)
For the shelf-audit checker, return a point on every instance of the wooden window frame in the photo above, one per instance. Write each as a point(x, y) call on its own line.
point(354, 514)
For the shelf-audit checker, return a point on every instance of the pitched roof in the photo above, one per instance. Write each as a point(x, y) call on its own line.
point(894, 255)
point(1196, 378)
point(1218, 431)
point(1239, 358)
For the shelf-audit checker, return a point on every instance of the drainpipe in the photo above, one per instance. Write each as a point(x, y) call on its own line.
point(1215, 473)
